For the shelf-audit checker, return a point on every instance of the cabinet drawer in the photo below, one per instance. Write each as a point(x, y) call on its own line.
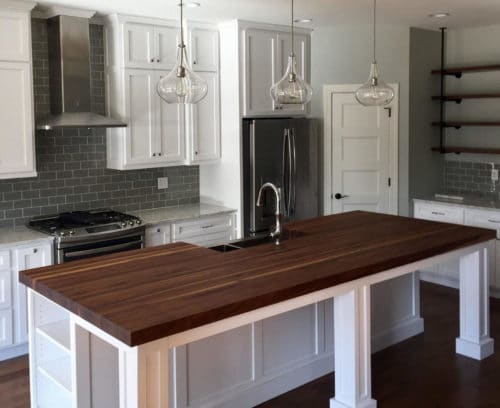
point(6, 337)
point(213, 239)
point(204, 226)
point(483, 219)
point(443, 213)
point(4, 260)
point(5, 289)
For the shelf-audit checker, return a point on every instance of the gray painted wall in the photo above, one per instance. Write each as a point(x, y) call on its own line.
point(425, 166)
point(342, 55)
point(71, 164)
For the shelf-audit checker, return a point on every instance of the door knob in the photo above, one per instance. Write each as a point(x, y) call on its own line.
point(339, 196)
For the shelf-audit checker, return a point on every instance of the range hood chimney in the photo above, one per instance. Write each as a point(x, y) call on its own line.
point(69, 77)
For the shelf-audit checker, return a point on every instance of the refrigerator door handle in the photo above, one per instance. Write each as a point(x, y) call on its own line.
point(290, 173)
point(293, 173)
point(285, 189)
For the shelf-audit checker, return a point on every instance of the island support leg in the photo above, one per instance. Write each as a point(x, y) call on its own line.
point(144, 376)
point(352, 350)
point(475, 341)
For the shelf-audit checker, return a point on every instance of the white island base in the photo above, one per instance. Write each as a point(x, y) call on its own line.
point(247, 359)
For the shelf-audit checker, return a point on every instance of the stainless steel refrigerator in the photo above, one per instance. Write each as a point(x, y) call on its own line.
point(284, 152)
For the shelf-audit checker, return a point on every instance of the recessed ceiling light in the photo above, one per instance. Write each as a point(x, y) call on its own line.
point(191, 4)
point(439, 15)
point(303, 20)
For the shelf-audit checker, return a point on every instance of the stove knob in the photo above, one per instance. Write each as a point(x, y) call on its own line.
point(138, 222)
point(62, 234)
point(71, 232)
point(124, 224)
point(131, 223)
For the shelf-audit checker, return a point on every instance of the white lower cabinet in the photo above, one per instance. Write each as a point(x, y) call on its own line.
point(158, 235)
point(448, 273)
point(13, 300)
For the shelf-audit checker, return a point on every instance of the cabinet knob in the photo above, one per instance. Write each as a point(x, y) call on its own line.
point(158, 230)
point(159, 154)
point(194, 62)
point(35, 250)
point(158, 60)
point(196, 152)
point(152, 60)
point(154, 154)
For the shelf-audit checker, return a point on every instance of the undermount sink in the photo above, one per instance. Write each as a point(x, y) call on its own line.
point(251, 242)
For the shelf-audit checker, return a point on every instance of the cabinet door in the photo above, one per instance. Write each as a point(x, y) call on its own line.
point(158, 235)
point(139, 45)
point(140, 92)
point(260, 70)
point(170, 137)
point(6, 332)
point(5, 289)
point(204, 47)
point(204, 123)
point(302, 52)
point(165, 47)
point(16, 113)
point(27, 258)
point(15, 37)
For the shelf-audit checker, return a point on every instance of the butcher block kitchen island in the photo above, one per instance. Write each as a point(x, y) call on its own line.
point(102, 330)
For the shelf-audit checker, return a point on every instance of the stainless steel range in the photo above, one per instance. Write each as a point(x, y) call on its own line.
point(83, 234)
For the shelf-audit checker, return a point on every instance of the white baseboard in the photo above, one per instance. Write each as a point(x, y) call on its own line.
point(402, 331)
point(14, 351)
point(451, 282)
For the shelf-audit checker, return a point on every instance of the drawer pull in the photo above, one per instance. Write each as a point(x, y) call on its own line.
point(494, 221)
point(158, 230)
point(207, 226)
point(438, 213)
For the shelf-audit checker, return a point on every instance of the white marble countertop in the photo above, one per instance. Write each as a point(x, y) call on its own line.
point(20, 235)
point(183, 213)
point(484, 202)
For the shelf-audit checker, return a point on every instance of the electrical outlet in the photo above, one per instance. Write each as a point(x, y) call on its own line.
point(162, 183)
point(494, 174)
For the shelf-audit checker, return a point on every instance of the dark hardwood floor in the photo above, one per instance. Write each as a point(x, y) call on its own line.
point(421, 372)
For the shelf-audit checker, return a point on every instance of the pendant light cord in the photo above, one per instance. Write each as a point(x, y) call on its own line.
point(293, 40)
point(182, 33)
point(374, 31)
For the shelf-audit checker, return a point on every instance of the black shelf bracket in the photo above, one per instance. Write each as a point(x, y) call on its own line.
point(442, 101)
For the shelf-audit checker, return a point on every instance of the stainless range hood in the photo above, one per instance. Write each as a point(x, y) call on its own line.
point(69, 77)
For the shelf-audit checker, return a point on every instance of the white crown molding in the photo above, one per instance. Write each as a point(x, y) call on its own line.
point(17, 5)
point(53, 11)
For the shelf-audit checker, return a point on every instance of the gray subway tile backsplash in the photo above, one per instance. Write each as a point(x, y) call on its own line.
point(71, 164)
point(469, 177)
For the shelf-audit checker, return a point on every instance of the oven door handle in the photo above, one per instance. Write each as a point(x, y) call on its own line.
point(97, 251)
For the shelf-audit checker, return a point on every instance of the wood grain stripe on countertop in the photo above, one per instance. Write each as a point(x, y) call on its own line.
point(140, 296)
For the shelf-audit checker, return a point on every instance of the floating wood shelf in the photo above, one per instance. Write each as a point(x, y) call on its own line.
point(458, 71)
point(458, 150)
point(458, 98)
point(459, 124)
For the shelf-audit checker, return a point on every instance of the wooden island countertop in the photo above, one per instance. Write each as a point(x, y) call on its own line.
point(144, 295)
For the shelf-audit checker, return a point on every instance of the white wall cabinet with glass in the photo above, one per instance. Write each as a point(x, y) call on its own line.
point(139, 52)
point(13, 303)
point(17, 153)
point(264, 58)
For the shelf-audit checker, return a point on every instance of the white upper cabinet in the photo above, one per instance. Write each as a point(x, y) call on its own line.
point(204, 123)
point(204, 49)
point(17, 158)
point(264, 58)
point(148, 46)
point(260, 71)
point(15, 35)
point(139, 53)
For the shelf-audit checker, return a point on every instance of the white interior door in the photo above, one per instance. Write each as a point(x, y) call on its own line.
point(363, 173)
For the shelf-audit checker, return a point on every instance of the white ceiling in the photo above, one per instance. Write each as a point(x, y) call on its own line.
point(464, 13)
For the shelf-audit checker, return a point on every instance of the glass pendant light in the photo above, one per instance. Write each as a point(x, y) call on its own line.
point(374, 92)
point(182, 85)
point(291, 89)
